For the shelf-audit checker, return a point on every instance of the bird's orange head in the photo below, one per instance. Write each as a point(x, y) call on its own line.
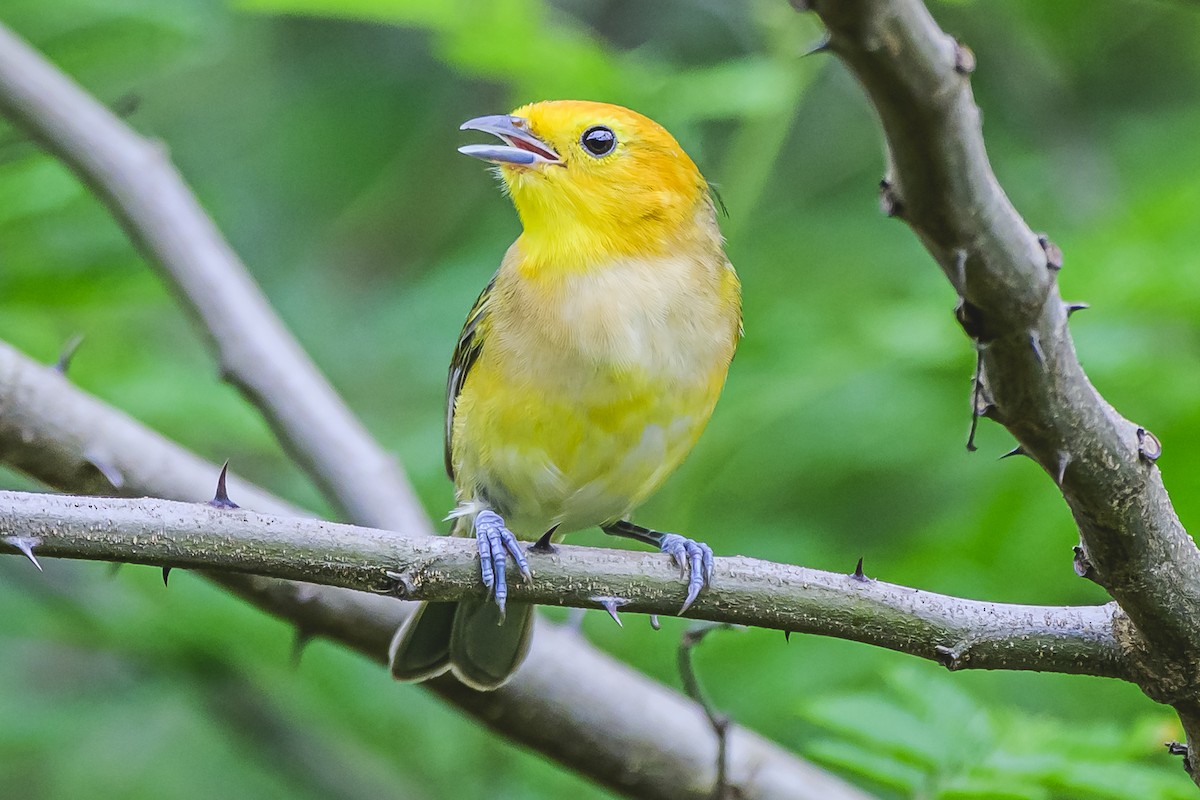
point(594, 181)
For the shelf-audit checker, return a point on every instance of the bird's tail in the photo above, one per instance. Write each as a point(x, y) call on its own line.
point(469, 637)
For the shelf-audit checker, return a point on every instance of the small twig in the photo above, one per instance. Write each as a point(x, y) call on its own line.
point(976, 395)
point(691, 638)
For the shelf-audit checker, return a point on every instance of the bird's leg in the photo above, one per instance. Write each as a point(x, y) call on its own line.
point(496, 542)
point(695, 559)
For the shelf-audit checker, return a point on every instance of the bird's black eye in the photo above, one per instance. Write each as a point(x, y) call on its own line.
point(598, 140)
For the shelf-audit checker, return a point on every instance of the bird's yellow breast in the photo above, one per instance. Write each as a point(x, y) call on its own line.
point(592, 385)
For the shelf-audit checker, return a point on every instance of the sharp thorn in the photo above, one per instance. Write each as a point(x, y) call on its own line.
point(1054, 255)
point(1035, 342)
point(948, 657)
point(25, 544)
point(1064, 458)
point(964, 59)
point(166, 575)
point(889, 201)
point(976, 399)
point(68, 352)
point(544, 544)
point(1073, 307)
point(1149, 447)
point(820, 46)
point(221, 498)
point(105, 467)
point(787, 637)
point(1080, 562)
point(611, 604)
point(858, 574)
point(1016, 451)
point(654, 623)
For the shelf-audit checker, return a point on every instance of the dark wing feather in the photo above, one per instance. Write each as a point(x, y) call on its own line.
point(465, 353)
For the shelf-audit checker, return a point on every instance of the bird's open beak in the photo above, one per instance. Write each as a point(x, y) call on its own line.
point(521, 148)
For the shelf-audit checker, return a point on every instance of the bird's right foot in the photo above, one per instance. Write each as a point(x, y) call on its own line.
point(496, 542)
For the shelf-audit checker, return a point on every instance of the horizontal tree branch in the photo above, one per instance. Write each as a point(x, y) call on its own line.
point(940, 182)
point(958, 633)
point(55, 432)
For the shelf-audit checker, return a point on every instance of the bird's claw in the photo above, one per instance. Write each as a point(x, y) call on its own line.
point(496, 542)
point(695, 561)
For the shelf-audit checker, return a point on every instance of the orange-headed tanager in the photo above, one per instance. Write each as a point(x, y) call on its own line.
point(587, 368)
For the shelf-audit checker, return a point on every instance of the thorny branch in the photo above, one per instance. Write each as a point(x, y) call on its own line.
point(958, 633)
point(939, 182)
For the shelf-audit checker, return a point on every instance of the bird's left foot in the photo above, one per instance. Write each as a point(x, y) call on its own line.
point(695, 559)
point(496, 542)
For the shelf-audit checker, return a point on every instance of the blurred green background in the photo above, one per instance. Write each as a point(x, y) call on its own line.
point(321, 136)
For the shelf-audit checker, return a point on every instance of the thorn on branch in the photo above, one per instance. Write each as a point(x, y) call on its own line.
point(1060, 471)
point(1035, 343)
point(1082, 564)
point(820, 46)
point(858, 573)
point(1054, 255)
point(976, 399)
point(964, 59)
point(544, 544)
point(691, 685)
point(611, 604)
point(221, 498)
point(25, 544)
point(970, 317)
point(889, 200)
point(68, 352)
point(654, 623)
point(1149, 447)
point(787, 637)
point(1073, 307)
point(399, 585)
point(166, 576)
point(949, 657)
point(1016, 451)
point(102, 464)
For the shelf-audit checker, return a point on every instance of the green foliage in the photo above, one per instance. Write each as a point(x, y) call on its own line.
point(320, 134)
point(924, 737)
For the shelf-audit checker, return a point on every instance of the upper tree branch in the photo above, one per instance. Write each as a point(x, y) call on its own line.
point(956, 632)
point(939, 181)
point(137, 181)
point(589, 723)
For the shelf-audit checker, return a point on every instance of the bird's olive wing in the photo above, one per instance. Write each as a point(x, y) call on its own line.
point(465, 353)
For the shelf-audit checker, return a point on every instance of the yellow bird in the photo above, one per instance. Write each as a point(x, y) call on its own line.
point(587, 368)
